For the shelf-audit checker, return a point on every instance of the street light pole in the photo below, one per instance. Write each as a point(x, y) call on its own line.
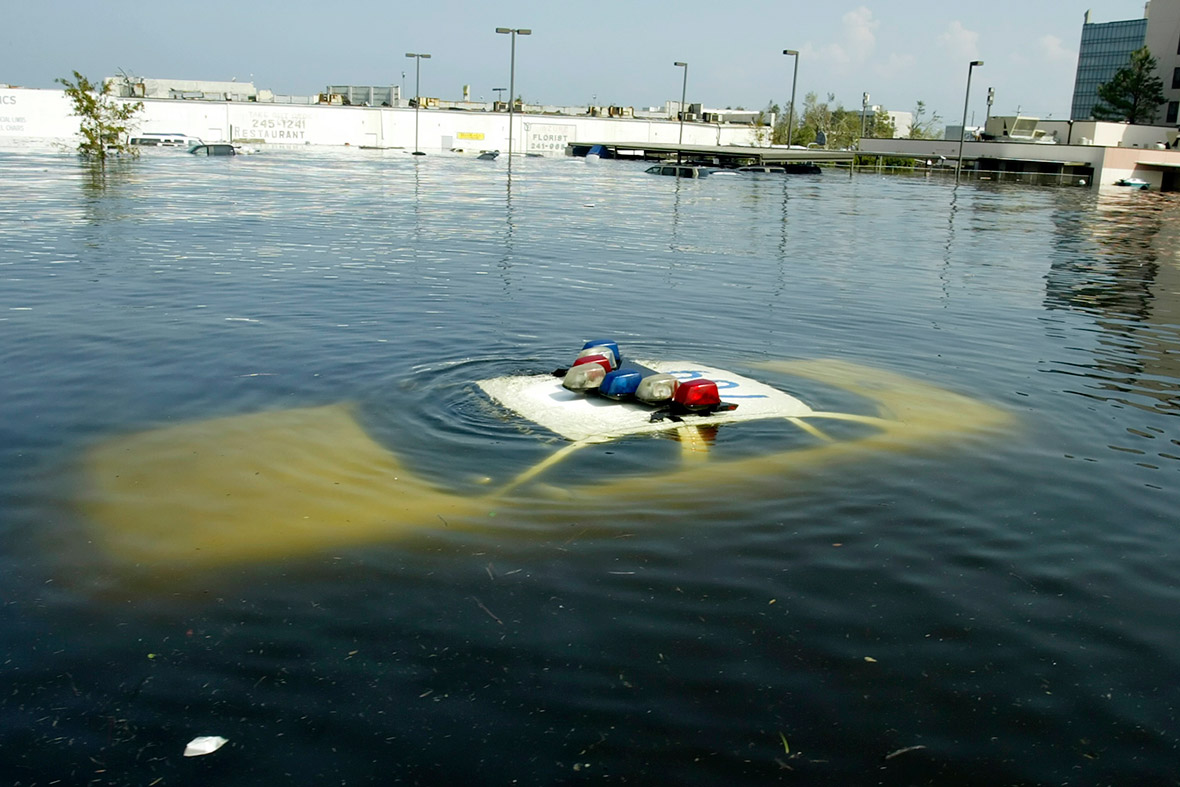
point(514, 32)
point(794, 79)
point(417, 94)
point(966, 100)
point(683, 93)
point(864, 108)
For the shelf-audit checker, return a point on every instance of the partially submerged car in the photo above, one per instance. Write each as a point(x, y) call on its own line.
point(680, 170)
point(295, 482)
point(213, 149)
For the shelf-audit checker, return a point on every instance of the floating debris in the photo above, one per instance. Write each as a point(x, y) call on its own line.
point(900, 752)
point(205, 744)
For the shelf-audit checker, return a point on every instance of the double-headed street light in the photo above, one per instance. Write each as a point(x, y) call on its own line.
point(514, 32)
point(794, 78)
point(966, 100)
point(683, 93)
point(417, 94)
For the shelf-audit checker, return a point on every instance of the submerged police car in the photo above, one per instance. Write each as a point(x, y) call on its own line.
point(593, 443)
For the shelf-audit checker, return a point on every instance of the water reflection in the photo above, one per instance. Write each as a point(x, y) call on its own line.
point(784, 222)
point(506, 258)
point(947, 248)
point(417, 162)
point(673, 241)
point(1123, 272)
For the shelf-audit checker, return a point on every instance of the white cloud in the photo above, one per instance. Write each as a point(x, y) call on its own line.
point(860, 30)
point(1055, 51)
point(857, 41)
point(960, 41)
point(896, 64)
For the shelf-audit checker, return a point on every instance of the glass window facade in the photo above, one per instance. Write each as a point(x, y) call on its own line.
point(1105, 48)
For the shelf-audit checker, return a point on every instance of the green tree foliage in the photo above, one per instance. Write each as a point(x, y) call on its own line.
point(104, 122)
point(1134, 93)
point(763, 132)
point(880, 125)
point(841, 127)
point(778, 136)
point(924, 127)
point(816, 117)
point(761, 129)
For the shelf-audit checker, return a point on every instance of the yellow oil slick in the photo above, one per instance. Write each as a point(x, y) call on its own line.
point(285, 483)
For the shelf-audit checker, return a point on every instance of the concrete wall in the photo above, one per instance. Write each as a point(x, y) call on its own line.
point(1109, 163)
point(934, 149)
point(1121, 135)
point(44, 115)
point(1121, 163)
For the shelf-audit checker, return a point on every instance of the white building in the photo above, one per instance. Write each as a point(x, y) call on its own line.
point(40, 116)
point(1163, 39)
point(902, 122)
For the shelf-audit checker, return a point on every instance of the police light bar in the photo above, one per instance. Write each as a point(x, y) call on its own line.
point(604, 351)
point(696, 395)
point(586, 374)
point(656, 388)
point(605, 344)
point(621, 384)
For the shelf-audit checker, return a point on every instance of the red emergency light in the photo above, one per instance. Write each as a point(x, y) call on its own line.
point(697, 395)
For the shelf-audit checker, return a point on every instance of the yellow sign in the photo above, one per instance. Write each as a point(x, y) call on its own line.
point(470, 135)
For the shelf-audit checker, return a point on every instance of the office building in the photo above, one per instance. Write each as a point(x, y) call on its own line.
point(1106, 47)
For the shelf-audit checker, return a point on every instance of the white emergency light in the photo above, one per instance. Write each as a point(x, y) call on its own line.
point(657, 388)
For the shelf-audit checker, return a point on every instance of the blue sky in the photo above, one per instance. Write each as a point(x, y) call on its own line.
point(609, 51)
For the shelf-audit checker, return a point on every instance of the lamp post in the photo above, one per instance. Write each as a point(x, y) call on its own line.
point(514, 32)
point(417, 94)
point(683, 93)
point(864, 108)
point(966, 100)
point(794, 78)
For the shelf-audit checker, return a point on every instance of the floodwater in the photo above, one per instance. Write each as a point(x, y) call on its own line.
point(992, 604)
